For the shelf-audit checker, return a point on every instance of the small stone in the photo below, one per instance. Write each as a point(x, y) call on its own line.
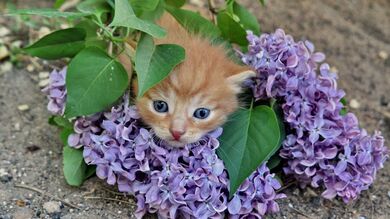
point(43, 75)
point(383, 55)
point(4, 31)
point(30, 68)
point(23, 213)
point(290, 205)
point(354, 104)
point(44, 83)
point(4, 176)
point(362, 217)
point(388, 194)
point(6, 67)
point(4, 53)
point(23, 107)
point(20, 203)
point(17, 126)
point(43, 31)
point(64, 26)
point(16, 44)
point(52, 207)
point(384, 101)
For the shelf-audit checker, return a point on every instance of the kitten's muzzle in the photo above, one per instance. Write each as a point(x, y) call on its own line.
point(176, 134)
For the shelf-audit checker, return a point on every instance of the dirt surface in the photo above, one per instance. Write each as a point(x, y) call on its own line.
point(355, 36)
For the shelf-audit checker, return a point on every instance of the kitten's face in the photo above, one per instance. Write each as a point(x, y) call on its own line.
point(187, 105)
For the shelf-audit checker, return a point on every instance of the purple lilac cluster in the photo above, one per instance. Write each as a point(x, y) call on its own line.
point(190, 182)
point(56, 92)
point(323, 147)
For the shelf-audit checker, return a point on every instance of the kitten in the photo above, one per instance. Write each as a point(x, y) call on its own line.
point(198, 95)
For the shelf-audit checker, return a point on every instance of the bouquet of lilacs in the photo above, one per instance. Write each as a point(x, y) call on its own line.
point(188, 182)
point(324, 147)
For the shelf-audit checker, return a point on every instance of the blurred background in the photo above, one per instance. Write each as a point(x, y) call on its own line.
point(354, 35)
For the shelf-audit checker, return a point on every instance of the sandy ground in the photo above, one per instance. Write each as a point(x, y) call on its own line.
point(355, 36)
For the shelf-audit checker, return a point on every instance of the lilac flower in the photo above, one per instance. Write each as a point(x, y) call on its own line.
point(190, 182)
point(56, 92)
point(324, 148)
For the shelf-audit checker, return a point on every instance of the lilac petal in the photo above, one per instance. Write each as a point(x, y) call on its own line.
point(73, 140)
point(318, 57)
point(329, 193)
point(292, 61)
point(341, 166)
point(234, 205)
point(330, 153)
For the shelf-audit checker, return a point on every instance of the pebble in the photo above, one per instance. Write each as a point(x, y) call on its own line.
point(5, 176)
point(30, 68)
point(52, 207)
point(44, 82)
point(383, 55)
point(16, 44)
point(23, 213)
point(3, 52)
point(43, 75)
point(388, 193)
point(4, 31)
point(6, 67)
point(354, 104)
point(17, 126)
point(23, 107)
point(43, 31)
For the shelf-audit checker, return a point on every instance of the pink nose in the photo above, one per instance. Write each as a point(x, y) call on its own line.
point(176, 134)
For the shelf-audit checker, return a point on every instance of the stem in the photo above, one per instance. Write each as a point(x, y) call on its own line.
point(110, 46)
point(212, 10)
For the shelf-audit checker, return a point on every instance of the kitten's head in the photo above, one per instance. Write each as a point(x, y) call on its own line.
point(195, 98)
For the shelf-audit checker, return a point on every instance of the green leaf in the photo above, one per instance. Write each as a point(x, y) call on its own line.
point(60, 122)
point(154, 63)
point(248, 20)
point(231, 30)
point(94, 81)
point(274, 161)
point(125, 17)
point(96, 7)
point(74, 166)
point(194, 22)
point(48, 12)
point(155, 14)
point(343, 110)
point(58, 44)
point(250, 137)
point(58, 3)
point(235, 21)
point(91, 170)
point(144, 5)
point(92, 39)
point(175, 3)
point(64, 134)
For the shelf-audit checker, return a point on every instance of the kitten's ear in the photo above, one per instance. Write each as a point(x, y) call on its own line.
point(236, 80)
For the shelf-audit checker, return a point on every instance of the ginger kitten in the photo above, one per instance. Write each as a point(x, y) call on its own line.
point(198, 95)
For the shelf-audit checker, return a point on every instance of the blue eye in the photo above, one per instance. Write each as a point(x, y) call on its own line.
point(201, 113)
point(160, 106)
